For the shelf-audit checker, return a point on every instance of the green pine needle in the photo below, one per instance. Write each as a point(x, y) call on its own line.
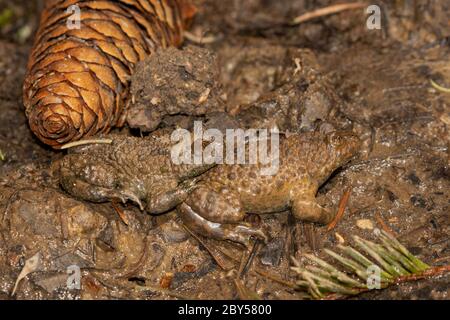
point(320, 278)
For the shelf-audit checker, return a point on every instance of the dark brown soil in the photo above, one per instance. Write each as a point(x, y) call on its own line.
point(377, 81)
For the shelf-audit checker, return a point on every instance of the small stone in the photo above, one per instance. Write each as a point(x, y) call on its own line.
point(166, 280)
point(339, 238)
point(365, 224)
point(171, 82)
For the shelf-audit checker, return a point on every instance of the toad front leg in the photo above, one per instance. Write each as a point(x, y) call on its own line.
point(304, 207)
point(163, 201)
point(218, 215)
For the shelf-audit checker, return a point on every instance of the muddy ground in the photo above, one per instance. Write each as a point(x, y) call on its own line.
point(378, 79)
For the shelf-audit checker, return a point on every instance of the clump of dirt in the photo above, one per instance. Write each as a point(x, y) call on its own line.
point(290, 91)
point(413, 24)
point(173, 81)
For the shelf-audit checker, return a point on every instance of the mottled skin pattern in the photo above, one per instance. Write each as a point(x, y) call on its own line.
point(135, 169)
point(215, 202)
point(227, 193)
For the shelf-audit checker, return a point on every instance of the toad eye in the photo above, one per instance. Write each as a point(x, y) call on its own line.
point(338, 139)
point(117, 184)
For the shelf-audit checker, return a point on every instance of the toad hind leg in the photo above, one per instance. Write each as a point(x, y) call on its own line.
point(307, 209)
point(220, 231)
point(165, 201)
point(216, 204)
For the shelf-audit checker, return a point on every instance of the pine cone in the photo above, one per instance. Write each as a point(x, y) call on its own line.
point(78, 74)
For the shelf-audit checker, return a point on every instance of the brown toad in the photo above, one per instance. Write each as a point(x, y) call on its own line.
point(226, 193)
point(212, 201)
point(130, 168)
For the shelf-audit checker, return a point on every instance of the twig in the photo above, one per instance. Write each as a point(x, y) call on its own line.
point(275, 278)
point(236, 261)
point(245, 262)
point(31, 265)
point(442, 259)
point(438, 87)
point(383, 224)
point(341, 210)
point(327, 11)
point(84, 142)
point(120, 212)
point(261, 272)
point(164, 291)
point(429, 273)
point(220, 263)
